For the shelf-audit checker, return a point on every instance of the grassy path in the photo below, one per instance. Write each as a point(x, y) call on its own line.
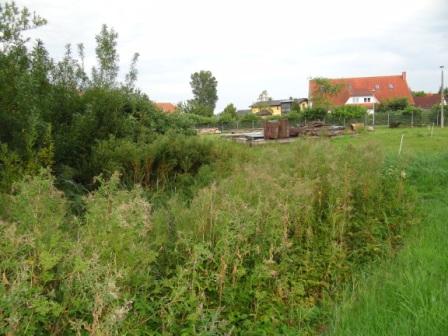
point(409, 294)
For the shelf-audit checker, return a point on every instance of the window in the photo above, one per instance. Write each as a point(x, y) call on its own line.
point(391, 86)
point(377, 86)
point(367, 100)
point(355, 99)
point(286, 108)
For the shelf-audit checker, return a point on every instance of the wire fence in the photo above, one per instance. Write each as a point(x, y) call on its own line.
point(387, 119)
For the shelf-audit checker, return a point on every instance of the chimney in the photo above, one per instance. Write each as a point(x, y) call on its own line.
point(403, 75)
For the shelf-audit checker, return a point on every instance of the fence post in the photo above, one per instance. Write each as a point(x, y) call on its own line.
point(388, 119)
point(412, 119)
point(237, 124)
point(253, 124)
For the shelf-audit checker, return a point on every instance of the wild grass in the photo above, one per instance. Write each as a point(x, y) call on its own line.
point(254, 251)
point(406, 294)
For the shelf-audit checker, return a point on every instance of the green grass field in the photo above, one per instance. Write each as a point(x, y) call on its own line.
point(408, 293)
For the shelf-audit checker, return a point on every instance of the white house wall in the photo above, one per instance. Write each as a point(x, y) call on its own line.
point(352, 100)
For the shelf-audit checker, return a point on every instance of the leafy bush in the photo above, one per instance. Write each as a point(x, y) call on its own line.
point(395, 104)
point(252, 253)
point(315, 113)
point(349, 111)
point(412, 110)
point(250, 117)
point(53, 113)
point(156, 164)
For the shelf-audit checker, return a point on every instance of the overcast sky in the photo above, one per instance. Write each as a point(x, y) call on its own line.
point(251, 46)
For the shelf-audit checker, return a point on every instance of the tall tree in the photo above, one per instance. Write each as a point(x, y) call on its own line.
point(204, 86)
point(264, 96)
point(263, 103)
point(13, 22)
point(229, 113)
point(107, 56)
point(131, 76)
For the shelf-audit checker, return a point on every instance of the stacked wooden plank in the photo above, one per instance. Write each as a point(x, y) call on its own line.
point(316, 128)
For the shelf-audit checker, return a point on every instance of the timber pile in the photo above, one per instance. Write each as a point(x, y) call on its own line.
point(316, 128)
point(209, 130)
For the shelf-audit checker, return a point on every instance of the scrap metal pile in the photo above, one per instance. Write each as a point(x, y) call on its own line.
point(280, 131)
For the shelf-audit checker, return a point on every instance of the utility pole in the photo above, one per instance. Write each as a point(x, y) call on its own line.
point(442, 101)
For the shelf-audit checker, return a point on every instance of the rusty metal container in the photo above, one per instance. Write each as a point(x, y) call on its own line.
point(283, 131)
point(271, 130)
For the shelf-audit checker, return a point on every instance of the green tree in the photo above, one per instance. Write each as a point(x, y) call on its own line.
point(107, 56)
point(204, 86)
point(230, 111)
point(264, 96)
point(315, 113)
point(324, 90)
point(131, 77)
point(418, 93)
point(13, 22)
point(263, 104)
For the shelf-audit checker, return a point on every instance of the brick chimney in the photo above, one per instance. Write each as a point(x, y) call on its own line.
point(403, 75)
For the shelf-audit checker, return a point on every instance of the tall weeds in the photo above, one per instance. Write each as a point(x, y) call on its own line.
point(253, 253)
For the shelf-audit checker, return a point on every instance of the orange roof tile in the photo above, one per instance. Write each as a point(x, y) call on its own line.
point(428, 100)
point(382, 87)
point(166, 107)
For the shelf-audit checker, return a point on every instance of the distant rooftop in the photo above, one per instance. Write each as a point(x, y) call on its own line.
point(279, 102)
point(166, 107)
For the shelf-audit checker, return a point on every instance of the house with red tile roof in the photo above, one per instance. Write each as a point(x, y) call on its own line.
point(428, 101)
point(166, 107)
point(366, 91)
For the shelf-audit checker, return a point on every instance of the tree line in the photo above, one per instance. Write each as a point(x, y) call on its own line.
point(59, 114)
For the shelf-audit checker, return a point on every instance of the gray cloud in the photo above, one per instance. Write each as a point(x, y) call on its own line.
point(256, 45)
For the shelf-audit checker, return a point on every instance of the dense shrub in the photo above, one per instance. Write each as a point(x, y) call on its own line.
point(395, 104)
point(169, 158)
point(253, 253)
point(52, 113)
point(250, 117)
point(349, 112)
point(411, 110)
point(315, 113)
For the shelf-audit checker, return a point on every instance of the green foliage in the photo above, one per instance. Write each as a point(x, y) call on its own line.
point(13, 22)
point(168, 159)
point(204, 86)
point(295, 107)
point(349, 111)
point(315, 113)
point(395, 104)
point(52, 114)
point(242, 255)
point(411, 110)
point(411, 278)
point(229, 114)
point(418, 93)
point(250, 117)
point(325, 89)
point(196, 108)
point(107, 56)
point(295, 116)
